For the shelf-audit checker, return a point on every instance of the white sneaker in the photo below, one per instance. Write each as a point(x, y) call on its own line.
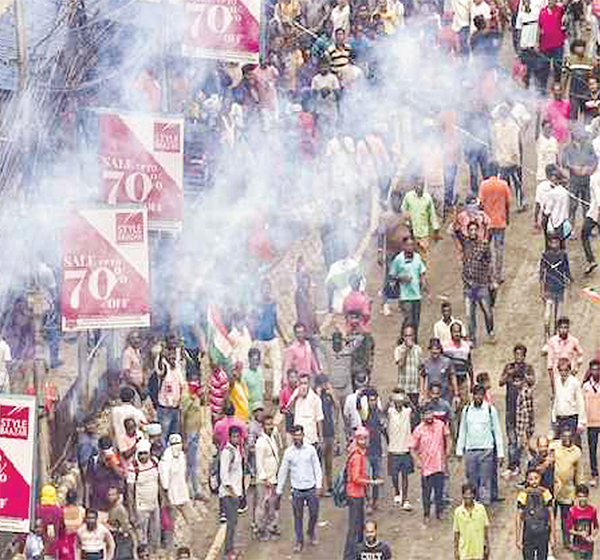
point(386, 309)
point(407, 506)
point(398, 499)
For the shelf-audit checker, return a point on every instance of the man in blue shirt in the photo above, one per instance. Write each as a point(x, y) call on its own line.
point(479, 434)
point(300, 460)
point(408, 269)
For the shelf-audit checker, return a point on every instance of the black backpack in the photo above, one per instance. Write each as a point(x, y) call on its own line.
point(536, 519)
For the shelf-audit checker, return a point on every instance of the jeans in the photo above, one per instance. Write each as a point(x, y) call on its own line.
point(231, 503)
point(192, 443)
point(434, 483)
point(450, 172)
point(410, 311)
point(150, 528)
point(463, 36)
point(299, 499)
point(536, 549)
point(474, 296)
point(327, 462)
point(554, 308)
point(514, 177)
point(592, 434)
point(356, 521)
point(479, 464)
point(551, 59)
point(497, 248)
point(374, 471)
point(513, 447)
point(168, 418)
point(477, 161)
point(586, 234)
point(579, 188)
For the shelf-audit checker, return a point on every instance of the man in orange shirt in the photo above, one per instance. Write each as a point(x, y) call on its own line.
point(356, 489)
point(494, 194)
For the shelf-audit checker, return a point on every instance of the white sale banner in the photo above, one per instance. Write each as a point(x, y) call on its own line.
point(105, 269)
point(141, 161)
point(17, 458)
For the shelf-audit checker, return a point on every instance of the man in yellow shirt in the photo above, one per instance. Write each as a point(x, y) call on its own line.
point(566, 477)
point(471, 528)
point(238, 393)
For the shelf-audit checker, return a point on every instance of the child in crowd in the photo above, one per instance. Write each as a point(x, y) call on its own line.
point(583, 524)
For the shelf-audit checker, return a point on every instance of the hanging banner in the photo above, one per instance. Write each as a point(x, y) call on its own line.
point(141, 161)
point(222, 29)
point(105, 269)
point(17, 459)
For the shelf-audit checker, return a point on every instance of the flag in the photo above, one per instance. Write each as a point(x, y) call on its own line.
point(220, 347)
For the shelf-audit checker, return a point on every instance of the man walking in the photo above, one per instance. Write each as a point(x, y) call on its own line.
point(231, 489)
point(494, 194)
point(267, 464)
point(431, 446)
point(301, 462)
point(408, 269)
point(563, 345)
point(568, 406)
point(356, 488)
point(479, 433)
point(471, 528)
point(477, 282)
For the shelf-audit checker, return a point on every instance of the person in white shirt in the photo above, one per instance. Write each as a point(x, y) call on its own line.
point(5, 360)
point(231, 489)
point(461, 23)
point(568, 408)
point(441, 330)
point(400, 463)
point(527, 23)
point(546, 150)
point(267, 465)
point(555, 204)
point(480, 8)
point(143, 489)
point(94, 540)
point(308, 411)
point(592, 220)
point(340, 17)
point(173, 477)
point(125, 410)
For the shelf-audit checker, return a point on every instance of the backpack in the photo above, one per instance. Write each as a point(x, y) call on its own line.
point(536, 520)
point(340, 499)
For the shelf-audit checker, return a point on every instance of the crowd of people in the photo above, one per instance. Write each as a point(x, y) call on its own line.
point(289, 412)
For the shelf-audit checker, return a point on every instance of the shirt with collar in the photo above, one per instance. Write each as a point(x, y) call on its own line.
point(303, 466)
point(480, 429)
point(568, 399)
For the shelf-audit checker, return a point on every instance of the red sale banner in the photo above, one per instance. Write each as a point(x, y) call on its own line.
point(222, 29)
point(105, 269)
point(141, 161)
point(17, 455)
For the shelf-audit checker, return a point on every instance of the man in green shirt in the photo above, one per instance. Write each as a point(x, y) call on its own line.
point(254, 378)
point(419, 209)
point(471, 528)
point(408, 269)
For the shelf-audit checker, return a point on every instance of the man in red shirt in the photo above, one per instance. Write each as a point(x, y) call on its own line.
point(431, 445)
point(551, 41)
point(356, 489)
point(494, 194)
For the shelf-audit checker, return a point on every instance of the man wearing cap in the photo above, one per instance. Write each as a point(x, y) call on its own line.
point(438, 369)
point(142, 496)
point(301, 462)
point(172, 470)
point(356, 490)
point(431, 446)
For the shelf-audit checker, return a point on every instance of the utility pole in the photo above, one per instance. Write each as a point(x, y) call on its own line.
point(39, 307)
point(22, 54)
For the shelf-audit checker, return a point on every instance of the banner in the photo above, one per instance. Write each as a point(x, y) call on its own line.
point(17, 457)
point(105, 269)
point(222, 29)
point(141, 161)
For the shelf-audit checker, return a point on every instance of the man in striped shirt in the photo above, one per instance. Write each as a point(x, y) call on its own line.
point(339, 53)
